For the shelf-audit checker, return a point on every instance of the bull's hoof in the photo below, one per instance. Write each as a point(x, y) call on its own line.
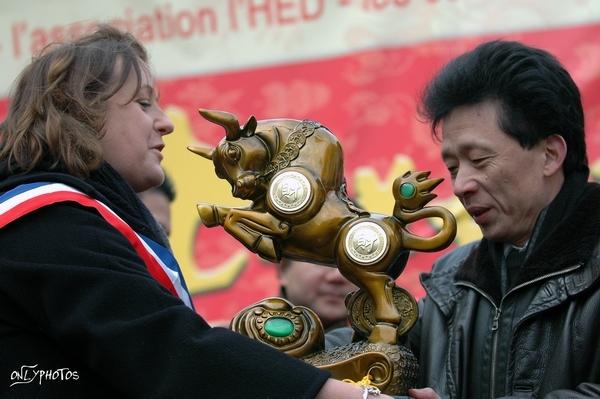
point(384, 333)
point(209, 215)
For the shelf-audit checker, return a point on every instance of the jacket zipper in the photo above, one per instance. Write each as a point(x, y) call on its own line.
point(498, 313)
point(494, 349)
point(495, 322)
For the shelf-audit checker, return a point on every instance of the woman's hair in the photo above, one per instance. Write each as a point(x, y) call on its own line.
point(58, 104)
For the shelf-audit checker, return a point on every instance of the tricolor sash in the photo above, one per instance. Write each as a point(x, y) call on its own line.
point(159, 260)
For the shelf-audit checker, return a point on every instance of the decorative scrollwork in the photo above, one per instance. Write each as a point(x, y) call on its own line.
point(392, 368)
point(295, 330)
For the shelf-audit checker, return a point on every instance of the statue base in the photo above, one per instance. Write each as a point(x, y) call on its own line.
point(297, 331)
point(391, 368)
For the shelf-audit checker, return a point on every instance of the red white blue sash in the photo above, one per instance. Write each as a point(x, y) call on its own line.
point(159, 260)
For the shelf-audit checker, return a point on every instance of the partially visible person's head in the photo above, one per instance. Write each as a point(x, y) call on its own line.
point(511, 124)
point(158, 201)
point(320, 288)
point(83, 102)
point(536, 96)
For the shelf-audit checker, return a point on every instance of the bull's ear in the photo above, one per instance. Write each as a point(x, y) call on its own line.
point(205, 152)
point(249, 127)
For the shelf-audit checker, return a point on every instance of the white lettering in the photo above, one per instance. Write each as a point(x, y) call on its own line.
point(27, 374)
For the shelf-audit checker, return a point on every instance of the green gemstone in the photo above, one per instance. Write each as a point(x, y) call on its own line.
point(279, 327)
point(407, 190)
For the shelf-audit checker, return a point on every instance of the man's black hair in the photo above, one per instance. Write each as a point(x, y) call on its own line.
point(536, 95)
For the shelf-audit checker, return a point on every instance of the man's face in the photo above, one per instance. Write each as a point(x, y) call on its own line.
point(501, 184)
point(320, 288)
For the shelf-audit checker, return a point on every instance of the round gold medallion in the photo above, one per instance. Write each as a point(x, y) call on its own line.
point(290, 192)
point(366, 243)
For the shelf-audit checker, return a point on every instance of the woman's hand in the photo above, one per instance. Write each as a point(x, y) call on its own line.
point(335, 389)
point(424, 393)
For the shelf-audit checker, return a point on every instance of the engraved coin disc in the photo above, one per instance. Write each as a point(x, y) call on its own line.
point(290, 192)
point(361, 311)
point(366, 243)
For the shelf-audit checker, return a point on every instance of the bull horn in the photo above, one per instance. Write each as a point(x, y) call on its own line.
point(225, 119)
point(205, 152)
point(249, 127)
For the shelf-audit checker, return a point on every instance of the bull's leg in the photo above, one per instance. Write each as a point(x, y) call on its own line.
point(256, 231)
point(380, 288)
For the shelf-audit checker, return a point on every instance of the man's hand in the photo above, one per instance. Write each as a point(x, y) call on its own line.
point(424, 393)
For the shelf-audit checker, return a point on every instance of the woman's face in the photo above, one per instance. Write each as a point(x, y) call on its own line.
point(133, 133)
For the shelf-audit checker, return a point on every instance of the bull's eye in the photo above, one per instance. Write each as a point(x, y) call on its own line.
point(233, 153)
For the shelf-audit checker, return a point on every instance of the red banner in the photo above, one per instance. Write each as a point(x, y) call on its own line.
point(357, 67)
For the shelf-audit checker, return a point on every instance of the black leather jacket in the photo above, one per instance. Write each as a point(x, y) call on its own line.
point(540, 339)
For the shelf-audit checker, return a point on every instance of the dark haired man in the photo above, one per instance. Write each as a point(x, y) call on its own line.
point(516, 314)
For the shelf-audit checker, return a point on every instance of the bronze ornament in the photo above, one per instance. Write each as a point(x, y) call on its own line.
point(303, 337)
point(292, 171)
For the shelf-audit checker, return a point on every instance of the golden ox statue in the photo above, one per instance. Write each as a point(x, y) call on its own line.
point(292, 171)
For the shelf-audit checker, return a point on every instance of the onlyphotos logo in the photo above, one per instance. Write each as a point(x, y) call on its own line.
point(28, 374)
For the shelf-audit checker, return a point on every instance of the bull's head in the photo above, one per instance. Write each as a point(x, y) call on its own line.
point(240, 156)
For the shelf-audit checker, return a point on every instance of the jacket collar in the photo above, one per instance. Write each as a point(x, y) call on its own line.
point(569, 236)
